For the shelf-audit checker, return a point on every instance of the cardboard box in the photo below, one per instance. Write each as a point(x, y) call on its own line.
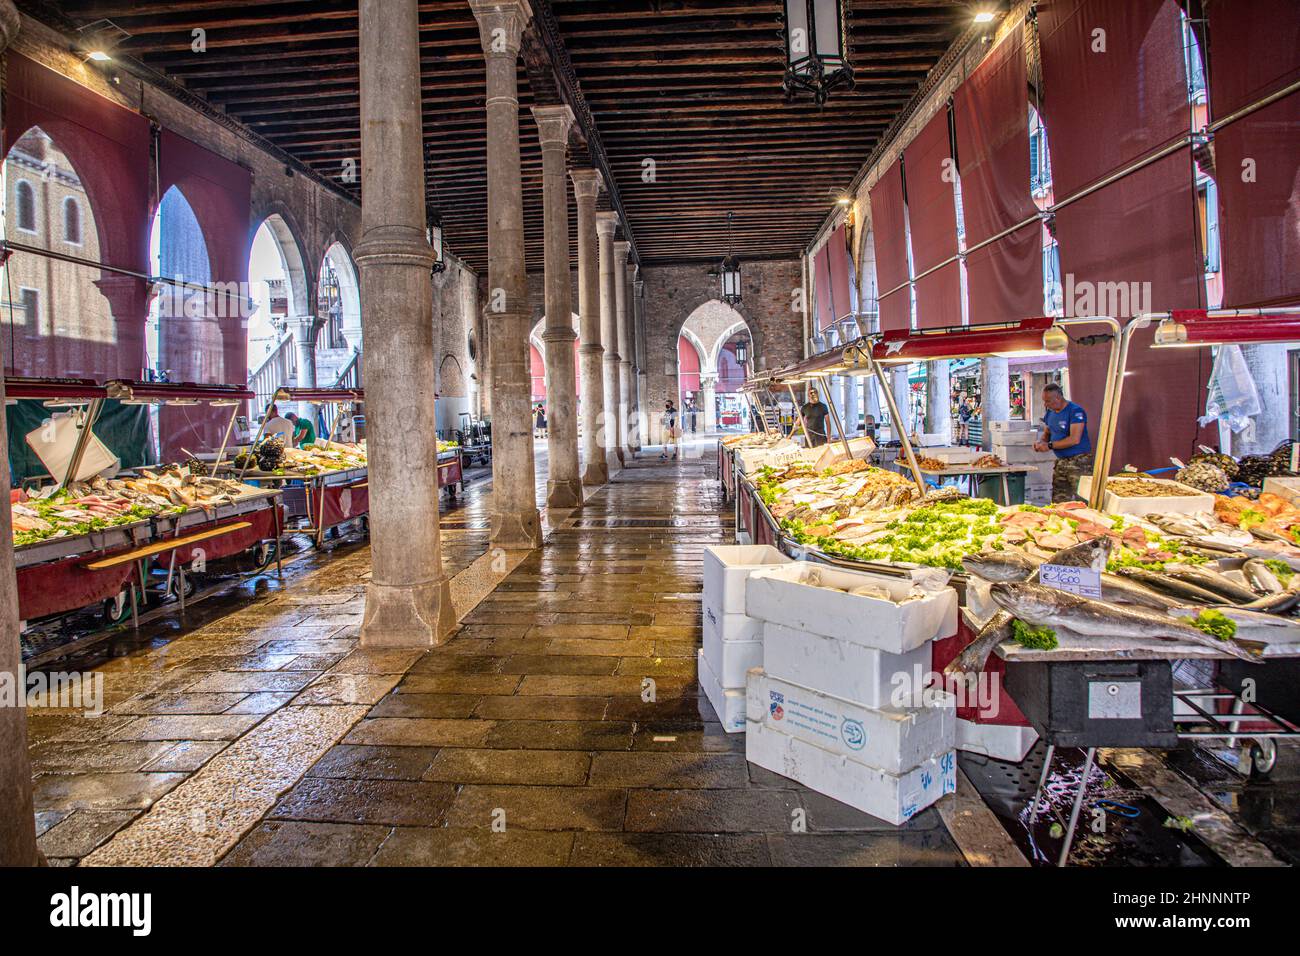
point(729, 660)
point(894, 798)
point(852, 672)
point(729, 705)
point(894, 740)
point(726, 568)
point(802, 596)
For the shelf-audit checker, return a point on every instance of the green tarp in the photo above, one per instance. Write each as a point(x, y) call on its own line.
point(123, 428)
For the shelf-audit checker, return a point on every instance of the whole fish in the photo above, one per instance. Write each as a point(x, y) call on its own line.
point(1284, 602)
point(1183, 591)
point(1000, 565)
point(1122, 590)
point(1213, 582)
point(1048, 607)
point(1261, 576)
point(1018, 566)
point(971, 660)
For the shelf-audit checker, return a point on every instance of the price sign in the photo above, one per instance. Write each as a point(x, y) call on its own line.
point(1085, 582)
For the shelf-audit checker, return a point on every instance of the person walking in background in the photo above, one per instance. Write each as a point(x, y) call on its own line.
point(670, 422)
point(539, 420)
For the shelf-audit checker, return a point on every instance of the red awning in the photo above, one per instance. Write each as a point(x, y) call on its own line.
point(46, 389)
point(177, 391)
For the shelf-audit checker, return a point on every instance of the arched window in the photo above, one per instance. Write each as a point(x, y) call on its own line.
point(71, 222)
point(26, 203)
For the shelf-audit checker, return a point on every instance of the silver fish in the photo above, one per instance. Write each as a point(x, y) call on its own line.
point(1184, 591)
point(971, 660)
point(1261, 576)
point(1000, 565)
point(1212, 581)
point(1048, 607)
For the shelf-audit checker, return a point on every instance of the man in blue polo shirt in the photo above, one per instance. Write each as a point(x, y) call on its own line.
point(1065, 433)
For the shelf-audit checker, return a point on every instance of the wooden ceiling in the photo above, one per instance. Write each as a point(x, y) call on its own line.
point(692, 85)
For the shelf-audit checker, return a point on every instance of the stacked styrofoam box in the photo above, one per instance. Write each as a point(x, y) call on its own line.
point(1013, 442)
point(839, 703)
point(733, 642)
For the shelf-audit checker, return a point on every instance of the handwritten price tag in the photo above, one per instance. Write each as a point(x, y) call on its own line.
point(1085, 582)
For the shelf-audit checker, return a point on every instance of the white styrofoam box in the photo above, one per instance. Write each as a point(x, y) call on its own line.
point(955, 455)
point(1021, 454)
point(930, 439)
point(728, 704)
point(1161, 504)
point(833, 451)
point(787, 595)
point(729, 660)
point(999, 741)
point(732, 627)
point(725, 569)
point(1017, 438)
point(752, 459)
point(851, 672)
point(894, 798)
point(1283, 487)
point(890, 739)
point(1039, 496)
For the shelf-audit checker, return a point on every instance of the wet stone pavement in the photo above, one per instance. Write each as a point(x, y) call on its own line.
point(561, 725)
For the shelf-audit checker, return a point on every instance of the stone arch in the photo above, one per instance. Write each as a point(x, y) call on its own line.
point(60, 316)
point(339, 257)
point(300, 286)
point(715, 351)
point(536, 340)
point(740, 308)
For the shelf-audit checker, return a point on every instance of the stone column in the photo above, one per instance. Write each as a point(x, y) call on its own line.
point(563, 487)
point(408, 601)
point(709, 402)
point(17, 820)
point(849, 386)
point(606, 223)
point(902, 398)
point(515, 522)
point(586, 184)
point(624, 330)
point(995, 397)
point(473, 313)
point(304, 340)
point(642, 376)
point(938, 401)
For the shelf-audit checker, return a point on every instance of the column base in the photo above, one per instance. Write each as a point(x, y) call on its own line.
point(596, 473)
point(516, 530)
point(408, 615)
point(564, 493)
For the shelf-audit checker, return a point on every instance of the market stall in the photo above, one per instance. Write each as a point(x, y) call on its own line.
point(92, 534)
point(1214, 583)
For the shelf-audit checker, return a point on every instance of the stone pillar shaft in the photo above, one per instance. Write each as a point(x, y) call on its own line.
point(606, 223)
point(624, 331)
point(586, 184)
point(408, 602)
point(563, 487)
point(515, 522)
point(17, 820)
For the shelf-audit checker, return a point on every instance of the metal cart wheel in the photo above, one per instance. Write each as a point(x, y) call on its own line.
point(185, 581)
point(117, 609)
point(1263, 758)
point(264, 553)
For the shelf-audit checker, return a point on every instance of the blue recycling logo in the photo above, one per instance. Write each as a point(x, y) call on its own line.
point(854, 734)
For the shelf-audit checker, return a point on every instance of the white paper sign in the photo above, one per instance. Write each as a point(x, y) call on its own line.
point(1085, 582)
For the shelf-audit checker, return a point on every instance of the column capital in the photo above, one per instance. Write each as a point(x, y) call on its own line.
point(621, 249)
point(501, 25)
point(606, 222)
point(553, 125)
point(587, 183)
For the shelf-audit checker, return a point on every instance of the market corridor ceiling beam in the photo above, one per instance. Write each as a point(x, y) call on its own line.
point(678, 102)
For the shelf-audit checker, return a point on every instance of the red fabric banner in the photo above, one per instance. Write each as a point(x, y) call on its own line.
point(1254, 49)
point(1133, 245)
point(932, 219)
point(1004, 281)
point(108, 148)
point(838, 261)
point(822, 287)
point(890, 238)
